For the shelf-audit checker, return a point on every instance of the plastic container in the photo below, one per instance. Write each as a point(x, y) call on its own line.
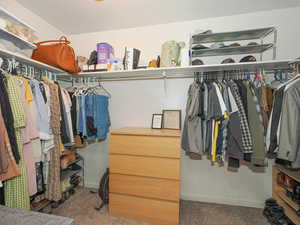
point(105, 52)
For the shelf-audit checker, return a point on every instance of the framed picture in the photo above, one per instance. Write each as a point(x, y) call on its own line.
point(172, 119)
point(157, 120)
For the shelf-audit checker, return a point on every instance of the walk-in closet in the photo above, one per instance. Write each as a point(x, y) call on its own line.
point(149, 112)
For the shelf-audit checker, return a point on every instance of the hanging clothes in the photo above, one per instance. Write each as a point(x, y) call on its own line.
point(8, 118)
point(89, 112)
point(283, 131)
point(30, 138)
point(224, 120)
point(53, 185)
point(16, 189)
point(192, 132)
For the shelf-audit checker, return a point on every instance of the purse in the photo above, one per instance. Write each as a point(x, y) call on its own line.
point(60, 54)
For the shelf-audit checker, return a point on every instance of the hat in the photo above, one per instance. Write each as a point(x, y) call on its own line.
point(252, 43)
point(199, 46)
point(248, 58)
point(218, 45)
point(235, 45)
point(197, 62)
point(228, 60)
point(199, 31)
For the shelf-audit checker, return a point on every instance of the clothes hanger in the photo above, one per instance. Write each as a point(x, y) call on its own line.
point(1, 63)
point(105, 91)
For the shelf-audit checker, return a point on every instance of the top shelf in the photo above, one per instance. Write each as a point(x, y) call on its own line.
point(177, 72)
point(32, 62)
point(17, 40)
point(12, 18)
point(233, 36)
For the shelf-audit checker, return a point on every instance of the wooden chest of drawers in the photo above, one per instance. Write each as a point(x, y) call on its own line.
point(145, 175)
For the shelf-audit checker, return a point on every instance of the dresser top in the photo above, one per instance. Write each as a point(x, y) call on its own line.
point(146, 132)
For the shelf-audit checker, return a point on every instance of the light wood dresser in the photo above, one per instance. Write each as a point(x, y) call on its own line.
point(144, 181)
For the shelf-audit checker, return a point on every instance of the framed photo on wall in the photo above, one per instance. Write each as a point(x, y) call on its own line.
point(172, 119)
point(157, 121)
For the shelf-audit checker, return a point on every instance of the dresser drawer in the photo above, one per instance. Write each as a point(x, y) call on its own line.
point(150, 210)
point(145, 145)
point(144, 187)
point(145, 166)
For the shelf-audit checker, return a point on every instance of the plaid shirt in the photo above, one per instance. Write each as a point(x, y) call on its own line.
point(246, 135)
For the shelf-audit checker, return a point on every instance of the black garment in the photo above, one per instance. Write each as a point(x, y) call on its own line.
point(73, 112)
point(42, 89)
point(233, 163)
point(214, 109)
point(208, 141)
point(201, 99)
point(63, 129)
point(234, 137)
point(243, 93)
point(8, 119)
point(91, 130)
point(247, 157)
point(39, 178)
point(277, 106)
point(2, 200)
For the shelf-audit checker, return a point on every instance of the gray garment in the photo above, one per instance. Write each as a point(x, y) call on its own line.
point(214, 107)
point(191, 140)
point(205, 97)
point(214, 112)
point(43, 119)
point(204, 120)
point(246, 135)
point(234, 134)
point(256, 128)
point(234, 131)
point(289, 141)
point(225, 121)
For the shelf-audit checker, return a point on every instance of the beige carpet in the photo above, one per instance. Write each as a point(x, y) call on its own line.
point(80, 207)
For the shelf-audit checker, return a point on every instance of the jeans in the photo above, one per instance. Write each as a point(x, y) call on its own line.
point(94, 120)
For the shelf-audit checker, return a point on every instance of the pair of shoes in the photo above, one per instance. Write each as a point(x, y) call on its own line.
point(286, 181)
point(275, 213)
point(296, 194)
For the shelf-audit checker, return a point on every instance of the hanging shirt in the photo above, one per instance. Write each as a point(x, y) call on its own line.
point(43, 121)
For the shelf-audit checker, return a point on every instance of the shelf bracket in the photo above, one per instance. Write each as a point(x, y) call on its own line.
point(164, 75)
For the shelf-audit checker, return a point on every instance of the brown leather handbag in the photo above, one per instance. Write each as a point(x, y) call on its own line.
point(60, 54)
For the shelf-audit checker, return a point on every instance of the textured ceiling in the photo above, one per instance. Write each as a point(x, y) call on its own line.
point(83, 16)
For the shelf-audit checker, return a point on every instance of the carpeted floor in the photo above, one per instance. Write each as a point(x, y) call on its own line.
point(80, 207)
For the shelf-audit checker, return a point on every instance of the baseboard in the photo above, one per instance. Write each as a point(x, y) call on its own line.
point(222, 200)
point(202, 198)
point(92, 185)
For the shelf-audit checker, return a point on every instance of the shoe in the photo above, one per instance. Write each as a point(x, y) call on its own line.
point(75, 167)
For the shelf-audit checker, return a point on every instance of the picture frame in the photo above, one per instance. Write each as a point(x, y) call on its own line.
point(172, 119)
point(157, 121)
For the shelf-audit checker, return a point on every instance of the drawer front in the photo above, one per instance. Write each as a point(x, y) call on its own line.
point(148, 210)
point(145, 166)
point(144, 187)
point(145, 145)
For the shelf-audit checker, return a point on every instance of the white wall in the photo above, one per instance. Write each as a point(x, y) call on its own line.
point(134, 102)
point(45, 31)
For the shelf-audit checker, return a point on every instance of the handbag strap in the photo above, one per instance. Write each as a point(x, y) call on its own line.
point(62, 40)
